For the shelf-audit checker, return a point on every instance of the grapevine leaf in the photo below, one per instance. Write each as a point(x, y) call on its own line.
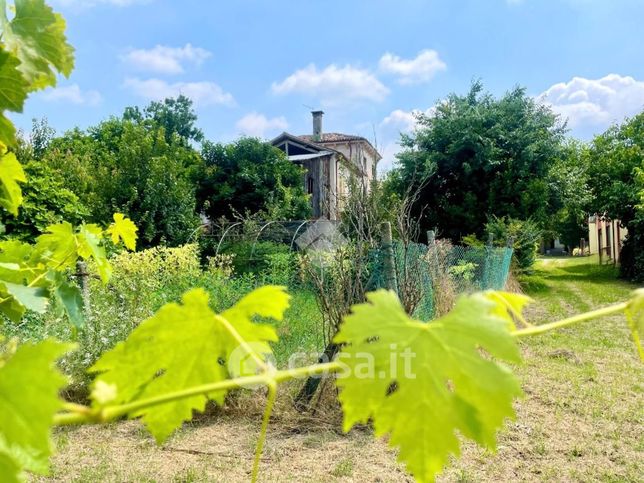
point(181, 346)
point(635, 317)
point(13, 92)
point(58, 246)
point(509, 306)
point(123, 229)
point(10, 307)
point(89, 246)
point(36, 35)
point(9, 468)
point(71, 300)
point(29, 386)
point(13, 87)
point(423, 382)
point(7, 130)
point(11, 174)
point(32, 298)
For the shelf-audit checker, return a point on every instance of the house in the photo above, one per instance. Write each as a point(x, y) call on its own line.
point(605, 237)
point(330, 159)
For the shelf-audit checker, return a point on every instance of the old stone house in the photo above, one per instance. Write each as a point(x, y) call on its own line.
point(330, 159)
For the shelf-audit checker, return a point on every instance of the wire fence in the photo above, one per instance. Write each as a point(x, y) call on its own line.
point(427, 278)
point(431, 277)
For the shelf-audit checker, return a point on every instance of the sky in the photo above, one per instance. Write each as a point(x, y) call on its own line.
point(257, 68)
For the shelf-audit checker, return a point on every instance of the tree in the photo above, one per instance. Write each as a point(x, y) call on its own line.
point(615, 171)
point(46, 197)
point(570, 195)
point(175, 116)
point(479, 156)
point(129, 166)
point(249, 175)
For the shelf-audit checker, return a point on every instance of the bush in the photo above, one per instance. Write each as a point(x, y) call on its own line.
point(143, 281)
point(525, 234)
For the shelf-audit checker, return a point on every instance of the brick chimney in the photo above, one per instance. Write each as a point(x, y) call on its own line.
point(317, 125)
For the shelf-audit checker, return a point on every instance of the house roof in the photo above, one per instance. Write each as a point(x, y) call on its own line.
point(304, 157)
point(336, 137)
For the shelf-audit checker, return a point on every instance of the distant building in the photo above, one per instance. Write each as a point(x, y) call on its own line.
point(605, 237)
point(329, 160)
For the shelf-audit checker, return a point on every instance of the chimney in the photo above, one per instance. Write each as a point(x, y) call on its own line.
point(317, 125)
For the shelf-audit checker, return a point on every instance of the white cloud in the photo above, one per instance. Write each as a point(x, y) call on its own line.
point(202, 93)
point(404, 121)
point(165, 60)
point(333, 84)
point(595, 103)
point(257, 125)
point(389, 130)
point(422, 68)
point(72, 94)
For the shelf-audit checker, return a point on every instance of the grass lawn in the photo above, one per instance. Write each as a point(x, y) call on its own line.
point(582, 418)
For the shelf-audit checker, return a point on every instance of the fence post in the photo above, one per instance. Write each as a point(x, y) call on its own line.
point(83, 278)
point(389, 262)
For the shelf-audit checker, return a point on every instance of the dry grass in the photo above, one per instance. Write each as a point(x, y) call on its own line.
point(581, 419)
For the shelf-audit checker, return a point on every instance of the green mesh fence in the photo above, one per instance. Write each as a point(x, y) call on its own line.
point(428, 278)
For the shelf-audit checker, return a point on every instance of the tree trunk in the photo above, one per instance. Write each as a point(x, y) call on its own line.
point(303, 399)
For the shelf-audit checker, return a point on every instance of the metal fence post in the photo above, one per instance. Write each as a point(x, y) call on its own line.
point(389, 262)
point(83, 278)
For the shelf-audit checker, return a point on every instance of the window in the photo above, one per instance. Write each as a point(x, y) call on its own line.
point(309, 185)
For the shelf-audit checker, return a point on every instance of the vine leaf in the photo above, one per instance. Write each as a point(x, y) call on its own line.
point(11, 174)
point(13, 92)
point(9, 468)
point(123, 229)
point(23, 298)
point(184, 345)
point(36, 35)
point(29, 386)
point(424, 382)
point(89, 245)
point(635, 317)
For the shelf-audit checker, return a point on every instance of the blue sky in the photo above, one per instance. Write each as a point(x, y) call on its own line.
point(255, 67)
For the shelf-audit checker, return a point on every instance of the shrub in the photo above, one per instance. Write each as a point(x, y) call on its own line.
point(525, 234)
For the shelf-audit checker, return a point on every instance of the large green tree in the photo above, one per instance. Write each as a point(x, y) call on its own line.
point(130, 165)
point(252, 176)
point(615, 167)
point(477, 156)
point(570, 195)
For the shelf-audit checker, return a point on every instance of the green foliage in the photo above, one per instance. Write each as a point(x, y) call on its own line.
point(443, 376)
point(46, 201)
point(250, 176)
point(32, 274)
point(32, 48)
point(130, 166)
point(570, 195)
point(174, 115)
point(525, 235)
point(478, 156)
point(11, 173)
point(29, 386)
point(183, 346)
